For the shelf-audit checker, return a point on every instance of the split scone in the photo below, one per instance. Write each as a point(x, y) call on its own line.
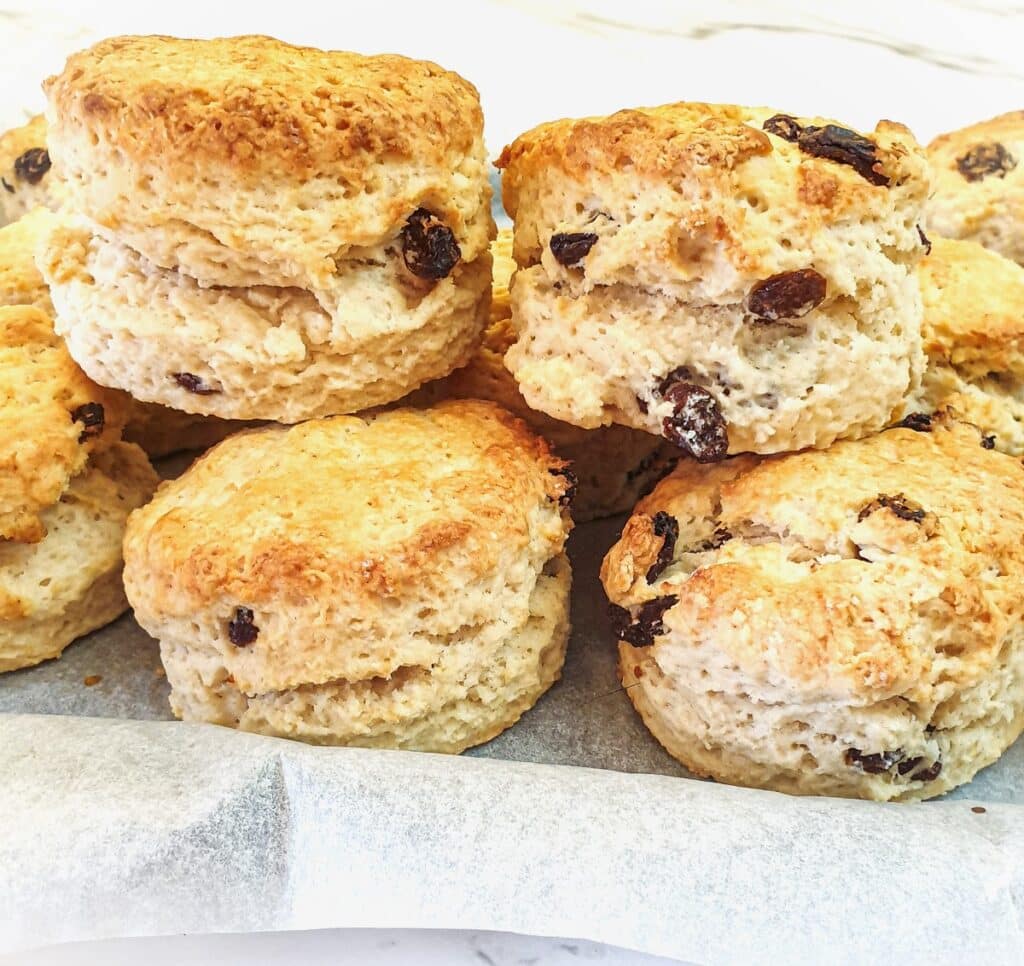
point(159, 430)
point(978, 185)
point(66, 488)
point(27, 177)
point(397, 580)
point(732, 279)
point(614, 466)
point(974, 340)
point(262, 231)
point(841, 622)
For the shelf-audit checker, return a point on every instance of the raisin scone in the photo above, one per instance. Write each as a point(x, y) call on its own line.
point(393, 580)
point(844, 622)
point(27, 177)
point(158, 429)
point(69, 583)
point(314, 224)
point(727, 277)
point(613, 466)
point(54, 420)
point(978, 184)
point(974, 340)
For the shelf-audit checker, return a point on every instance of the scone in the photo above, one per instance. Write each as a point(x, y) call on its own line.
point(54, 420)
point(159, 430)
point(27, 177)
point(397, 580)
point(978, 185)
point(314, 225)
point(69, 583)
point(974, 340)
point(614, 466)
point(841, 622)
point(732, 279)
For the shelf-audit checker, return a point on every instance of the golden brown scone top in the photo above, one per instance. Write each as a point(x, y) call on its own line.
point(53, 418)
point(24, 160)
point(886, 566)
point(365, 508)
point(713, 143)
point(949, 153)
point(973, 306)
point(256, 105)
point(20, 280)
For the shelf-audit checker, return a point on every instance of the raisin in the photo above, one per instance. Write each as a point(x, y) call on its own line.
point(193, 383)
point(9, 188)
point(783, 126)
point(679, 374)
point(91, 416)
point(918, 422)
point(641, 630)
point(696, 425)
point(429, 248)
point(571, 485)
point(832, 142)
point(667, 527)
point(988, 442)
point(241, 630)
point(32, 165)
point(876, 764)
point(641, 404)
point(909, 765)
point(928, 774)
point(570, 248)
point(984, 160)
point(788, 295)
point(924, 240)
point(718, 538)
point(978, 809)
point(903, 508)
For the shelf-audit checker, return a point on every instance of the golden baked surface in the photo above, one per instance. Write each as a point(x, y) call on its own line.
point(27, 177)
point(53, 418)
point(255, 105)
point(20, 281)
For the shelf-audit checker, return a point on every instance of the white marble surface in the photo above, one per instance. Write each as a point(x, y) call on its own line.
point(934, 66)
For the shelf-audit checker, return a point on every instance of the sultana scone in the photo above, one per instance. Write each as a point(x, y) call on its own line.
point(978, 185)
point(396, 580)
point(613, 466)
point(974, 339)
point(844, 622)
point(27, 177)
point(262, 231)
point(730, 278)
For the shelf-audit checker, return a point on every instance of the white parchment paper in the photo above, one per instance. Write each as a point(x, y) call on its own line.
point(115, 827)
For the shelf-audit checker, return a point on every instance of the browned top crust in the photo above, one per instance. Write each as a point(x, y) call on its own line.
point(49, 420)
point(886, 566)
point(349, 511)
point(255, 105)
point(945, 149)
point(695, 141)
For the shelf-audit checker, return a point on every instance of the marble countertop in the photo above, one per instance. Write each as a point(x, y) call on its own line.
point(932, 65)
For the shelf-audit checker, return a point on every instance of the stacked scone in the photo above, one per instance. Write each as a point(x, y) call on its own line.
point(261, 231)
point(67, 486)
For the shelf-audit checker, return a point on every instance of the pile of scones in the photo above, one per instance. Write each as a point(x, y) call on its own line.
point(794, 352)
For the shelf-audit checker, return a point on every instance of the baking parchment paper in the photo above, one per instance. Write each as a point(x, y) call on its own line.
point(146, 826)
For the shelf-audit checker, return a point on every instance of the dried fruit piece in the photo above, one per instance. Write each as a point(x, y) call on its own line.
point(241, 629)
point(924, 240)
point(429, 248)
point(696, 424)
point(988, 442)
point(909, 765)
point(571, 485)
point(832, 142)
point(928, 774)
point(92, 417)
point(641, 630)
point(665, 526)
point(32, 165)
point(985, 160)
point(918, 422)
point(718, 538)
point(570, 248)
point(788, 295)
point(874, 764)
point(903, 508)
point(193, 383)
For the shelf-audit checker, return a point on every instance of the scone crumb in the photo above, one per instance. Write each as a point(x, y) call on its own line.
point(92, 679)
